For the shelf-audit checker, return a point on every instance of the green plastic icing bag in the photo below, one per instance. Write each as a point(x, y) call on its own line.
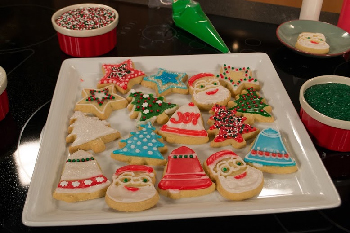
point(188, 15)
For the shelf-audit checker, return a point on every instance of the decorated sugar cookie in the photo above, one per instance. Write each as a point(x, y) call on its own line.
point(312, 43)
point(81, 179)
point(229, 129)
point(132, 189)
point(251, 105)
point(237, 78)
point(184, 176)
point(100, 102)
point(269, 154)
point(207, 91)
point(233, 178)
point(142, 147)
point(147, 108)
point(89, 133)
point(123, 76)
point(185, 126)
point(166, 82)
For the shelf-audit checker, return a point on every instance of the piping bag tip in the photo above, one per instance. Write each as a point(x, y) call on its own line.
point(188, 15)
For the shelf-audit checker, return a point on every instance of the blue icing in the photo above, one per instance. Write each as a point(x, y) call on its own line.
point(269, 141)
point(166, 79)
point(143, 143)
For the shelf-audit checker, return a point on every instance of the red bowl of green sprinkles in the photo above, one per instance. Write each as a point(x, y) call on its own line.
point(86, 30)
point(325, 111)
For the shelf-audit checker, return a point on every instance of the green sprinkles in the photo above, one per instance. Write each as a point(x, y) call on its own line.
point(330, 99)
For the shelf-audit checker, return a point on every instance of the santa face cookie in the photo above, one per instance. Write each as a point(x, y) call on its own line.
point(206, 91)
point(269, 154)
point(185, 127)
point(237, 78)
point(166, 82)
point(81, 179)
point(184, 176)
point(89, 133)
point(100, 102)
point(123, 76)
point(234, 179)
point(312, 43)
point(132, 189)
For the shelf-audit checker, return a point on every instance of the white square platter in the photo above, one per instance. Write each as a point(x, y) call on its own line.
point(309, 188)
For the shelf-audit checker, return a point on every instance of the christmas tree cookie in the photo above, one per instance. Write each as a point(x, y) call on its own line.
point(237, 78)
point(81, 179)
point(100, 102)
point(123, 76)
point(184, 176)
point(234, 179)
point(147, 108)
point(185, 126)
point(142, 147)
point(132, 189)
point(89, 133)
point(251, 105)
point(166, 82)
point(229, 129)
point(269, 154)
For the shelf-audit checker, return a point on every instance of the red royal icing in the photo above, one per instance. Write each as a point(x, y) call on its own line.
point(132, 189)
point(244, 174)
point(186, 118)
point(198, 76)
point(196, 133)
point(214, 157)
point(212, 92)
point(83, 183)
point(134, 168)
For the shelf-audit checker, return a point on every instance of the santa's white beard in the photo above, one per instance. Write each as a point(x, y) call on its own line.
point(221, 95)
point(119, 193)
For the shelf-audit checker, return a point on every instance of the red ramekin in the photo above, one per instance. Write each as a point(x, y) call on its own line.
point(4, 101)
point(86, 43)
point(329, 133)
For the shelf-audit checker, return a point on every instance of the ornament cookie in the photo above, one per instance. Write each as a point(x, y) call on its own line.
point(185, 127)
point(206, 91)
point(229, 129)
point(233, 178)
point(251, 105)
point(237, 78)
point(166, 82)
point(269, 154)
point(312, 43)
point(132, 189)
point(123, 76)
point(147, 108)
point(142, 147)
point(100, 102)
point(81, 179)
point(184, 176)
point(89, 133)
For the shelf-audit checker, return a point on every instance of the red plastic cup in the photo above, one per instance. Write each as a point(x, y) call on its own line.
point(4, 101)
point(329, 133)
point(86, 43)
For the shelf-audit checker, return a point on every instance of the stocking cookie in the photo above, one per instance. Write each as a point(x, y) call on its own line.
point(132, 189)
point(185, 126)
point(81, 179)
point(233, 178)
point(206, 91)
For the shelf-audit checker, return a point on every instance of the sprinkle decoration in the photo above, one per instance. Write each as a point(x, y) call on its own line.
point(86, 18)
point(100, 100)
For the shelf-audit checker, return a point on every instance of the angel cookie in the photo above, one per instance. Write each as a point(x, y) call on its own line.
point(229, 129)
point(166, 82)
point(89, 133)
point(132, 189)
point(233, 178)
point(147, 108)
point(237, 78)
point(251, 105)
point(269, 154)
point(100, 102)
point(185, 126)
point(123, 76)
point(142, 147)
point(206, 91)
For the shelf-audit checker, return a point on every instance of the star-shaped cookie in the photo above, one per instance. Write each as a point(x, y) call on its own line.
point(100, 102)
point(123, 76)
point(165, 82)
